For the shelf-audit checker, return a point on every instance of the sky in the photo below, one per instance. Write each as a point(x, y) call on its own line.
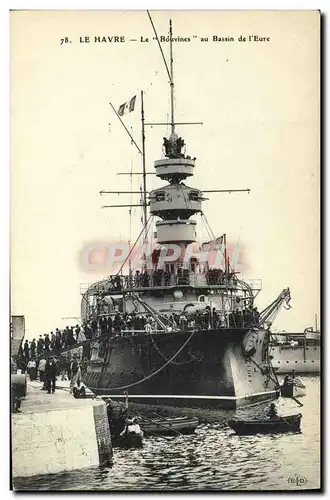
point(259, 104)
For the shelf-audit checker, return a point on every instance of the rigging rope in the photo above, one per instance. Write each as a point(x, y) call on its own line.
point(152, 374)
point(205, 227)
point(177, 363)
point(137, 239)
point(204, 216)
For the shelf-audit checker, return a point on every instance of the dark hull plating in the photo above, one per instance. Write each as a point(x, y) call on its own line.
point(213, 369)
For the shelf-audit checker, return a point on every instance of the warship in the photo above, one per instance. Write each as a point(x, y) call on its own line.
point(300, 352)
point(183, 332)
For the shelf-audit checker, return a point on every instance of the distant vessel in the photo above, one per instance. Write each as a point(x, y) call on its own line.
point(296, 351)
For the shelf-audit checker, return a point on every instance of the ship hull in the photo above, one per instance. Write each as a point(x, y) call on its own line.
point(223, 368)
point(299, 358)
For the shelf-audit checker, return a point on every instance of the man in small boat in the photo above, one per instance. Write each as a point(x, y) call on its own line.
point(131, 426)
point(272, 412)
point(117, 415)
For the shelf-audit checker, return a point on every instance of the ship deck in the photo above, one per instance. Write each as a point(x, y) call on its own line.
point(199, 281)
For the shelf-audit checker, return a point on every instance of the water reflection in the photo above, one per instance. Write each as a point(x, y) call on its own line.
point(215, 458)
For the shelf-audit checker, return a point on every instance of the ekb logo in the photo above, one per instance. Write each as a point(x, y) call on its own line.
point(297, 480)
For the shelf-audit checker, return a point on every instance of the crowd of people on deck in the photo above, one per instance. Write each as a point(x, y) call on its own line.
point(153, 278)
point(35, 356)
point(249, 316)
point(117, 323)
point(51, 356)
point(164, 277)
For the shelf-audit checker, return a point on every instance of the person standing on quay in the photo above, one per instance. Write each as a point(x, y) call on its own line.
point(50, 373)
point(32, 369)
point(75, 373)
point(33, 348)
point(26, 351)
point(41, 368)
point(40, 345)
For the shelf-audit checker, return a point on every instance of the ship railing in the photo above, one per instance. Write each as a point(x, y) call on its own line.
point(255, 284)
point(127, 333)
point(132, 333)
point(152, 281)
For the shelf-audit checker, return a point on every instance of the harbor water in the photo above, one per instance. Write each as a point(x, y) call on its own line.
point(214, 458)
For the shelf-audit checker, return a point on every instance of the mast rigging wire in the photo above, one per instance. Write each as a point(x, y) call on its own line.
point(206, 221)
point(137, 239)
point(160, 47)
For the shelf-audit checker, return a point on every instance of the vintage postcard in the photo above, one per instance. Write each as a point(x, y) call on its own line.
point(165, 259)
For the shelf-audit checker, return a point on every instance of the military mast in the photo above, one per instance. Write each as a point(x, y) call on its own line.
point(175, 203)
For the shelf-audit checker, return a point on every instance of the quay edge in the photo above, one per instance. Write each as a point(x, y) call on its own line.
point(57, 433)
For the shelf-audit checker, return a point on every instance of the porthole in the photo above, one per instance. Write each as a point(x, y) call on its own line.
point(279, 361)
point(312, 360)
point(287, 361)
point(296, 361)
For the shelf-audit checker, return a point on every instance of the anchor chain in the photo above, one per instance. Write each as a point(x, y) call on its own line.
point(177, 363)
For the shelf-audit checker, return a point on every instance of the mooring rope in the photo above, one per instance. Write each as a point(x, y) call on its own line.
point(152, 374)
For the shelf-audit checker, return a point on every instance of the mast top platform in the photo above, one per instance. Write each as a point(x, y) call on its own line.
point(173, 146)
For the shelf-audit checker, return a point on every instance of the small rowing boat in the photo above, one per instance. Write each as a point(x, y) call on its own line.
point(277, 424)
point(130, 437)
point(127, 441)
point(178, 425)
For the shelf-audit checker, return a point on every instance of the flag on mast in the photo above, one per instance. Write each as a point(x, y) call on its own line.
point(127, 107)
